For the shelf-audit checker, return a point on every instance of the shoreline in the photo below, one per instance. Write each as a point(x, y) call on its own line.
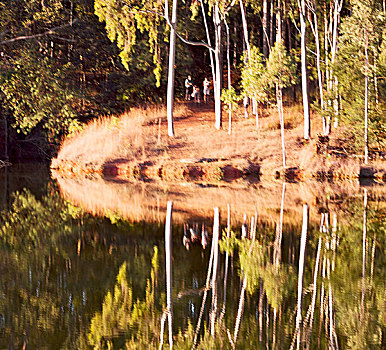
point(136, 147)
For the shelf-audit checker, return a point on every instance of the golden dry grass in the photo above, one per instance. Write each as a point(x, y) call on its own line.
point(141, 135)
point(109, 138)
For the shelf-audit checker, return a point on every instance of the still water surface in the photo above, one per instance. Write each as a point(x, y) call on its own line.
point(83, 273)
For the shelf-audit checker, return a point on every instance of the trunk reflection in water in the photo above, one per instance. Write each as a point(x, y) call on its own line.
point(72, 279)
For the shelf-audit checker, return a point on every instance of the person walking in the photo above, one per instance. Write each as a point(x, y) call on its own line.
point(246, 105)
point(188, 85)
point(206, 90)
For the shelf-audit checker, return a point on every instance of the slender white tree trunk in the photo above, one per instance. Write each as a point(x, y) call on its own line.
point(265, 29)
point(306, 102)
point(314, 27)
point(279, 100)
point(172, 54)
point(327, 70)
point(168, 258)
point(217, 98)
point(229, 79)
point(366, 100)
point(210, 44)
point(271, 23)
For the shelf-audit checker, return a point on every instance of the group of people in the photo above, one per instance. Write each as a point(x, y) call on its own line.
point(193, 91)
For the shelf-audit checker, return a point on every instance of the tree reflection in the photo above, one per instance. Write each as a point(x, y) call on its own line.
point(84, 282)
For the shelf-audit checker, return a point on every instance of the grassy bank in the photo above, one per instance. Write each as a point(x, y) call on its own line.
point(136, 145)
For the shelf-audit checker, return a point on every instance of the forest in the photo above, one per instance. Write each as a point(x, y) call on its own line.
point(66, 62)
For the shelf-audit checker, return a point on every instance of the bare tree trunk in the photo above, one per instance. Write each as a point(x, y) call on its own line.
point(209, 43)
point(229, 80)
point(315, 30)
point(366, 99)
point(265, 29)
point(271, 23)
point(279, 38)
point(168, 258)
point(245, 29)
point(279, 100)
point(306, 102)
point(326, 57)
point(337, 8)
point(246, 39)
point(172, 54)
point(303, 241)
point(217, 90)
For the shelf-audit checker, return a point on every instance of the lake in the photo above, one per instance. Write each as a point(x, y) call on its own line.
point(291, 266)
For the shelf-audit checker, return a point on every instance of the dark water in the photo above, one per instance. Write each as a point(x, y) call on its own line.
point(71, 280)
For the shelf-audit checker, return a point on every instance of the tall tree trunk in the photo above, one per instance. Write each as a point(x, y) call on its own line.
point(265, 29)
point(168, 259)
point(217, 98)
point(235, 45)
point(172, 54)
point(210, 44)
point(279, 35)
point(315, 30)
point(279, 100)
point(271, 16)
point(334, 48)
point(366, 98)
point(327, 70)
point(229, 79)
point(246, 39)
point(306, 102)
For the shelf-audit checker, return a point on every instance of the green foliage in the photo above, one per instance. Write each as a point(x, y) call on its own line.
point(38, 94)
point(230, 97)
point(124, 18)
point(258, 80)
point(281, 68)
point(367, 20)
point(253, 78)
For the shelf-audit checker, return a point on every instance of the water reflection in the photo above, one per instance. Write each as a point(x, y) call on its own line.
point(303, 269)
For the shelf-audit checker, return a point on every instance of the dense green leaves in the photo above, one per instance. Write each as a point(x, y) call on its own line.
point(365, 27)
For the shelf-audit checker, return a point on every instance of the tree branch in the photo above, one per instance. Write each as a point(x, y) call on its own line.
point(166, 18)
point(33, 36)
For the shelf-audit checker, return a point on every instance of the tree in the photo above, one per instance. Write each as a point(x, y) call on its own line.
point(306, 103)
point(252, 78)
point(280, 74)
point(360, 62)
